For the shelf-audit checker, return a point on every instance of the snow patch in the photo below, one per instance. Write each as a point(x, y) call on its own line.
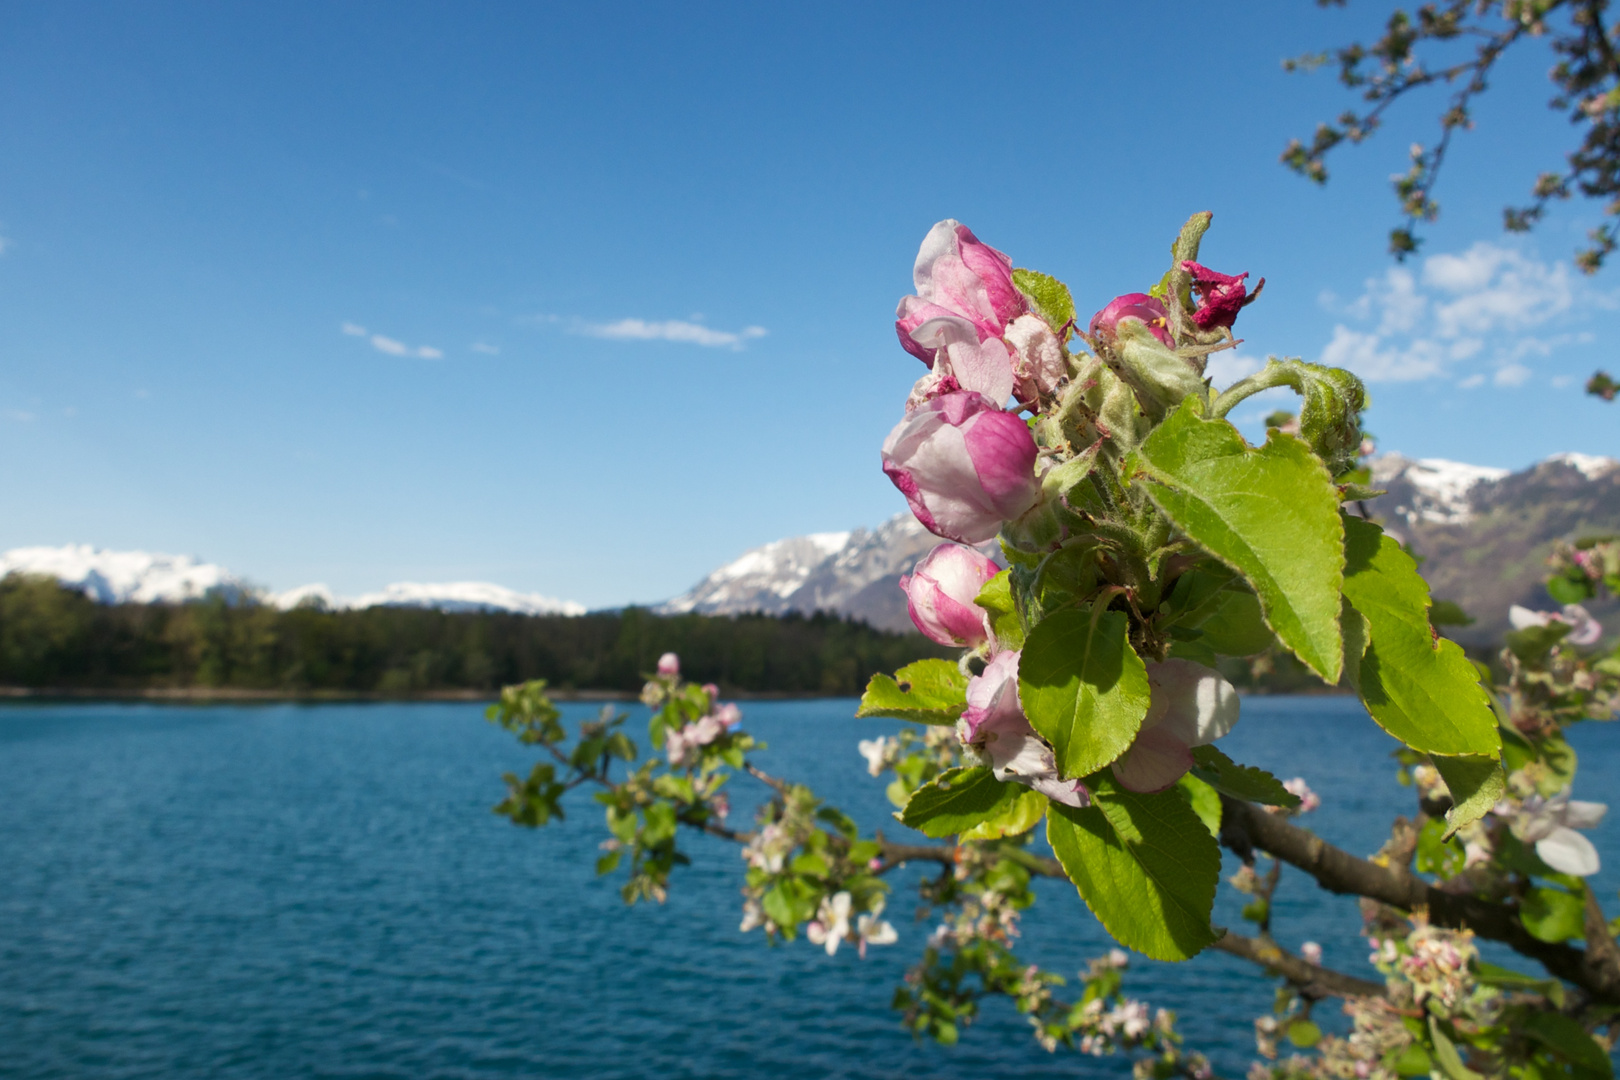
point(123, 577)
point(1590, 466)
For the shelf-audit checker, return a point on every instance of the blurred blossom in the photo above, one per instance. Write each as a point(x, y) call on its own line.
point(1312, 953)
point(1308, 799)
point(669, 666)
point(1550, 824)
point(876, 752)
point(1584, 630)
point(831, 925)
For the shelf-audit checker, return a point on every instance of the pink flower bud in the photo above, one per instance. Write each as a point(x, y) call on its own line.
point(963, 465)
point(940, 592)
point(669, 666)
point(1138, 306)
point(1221, 296)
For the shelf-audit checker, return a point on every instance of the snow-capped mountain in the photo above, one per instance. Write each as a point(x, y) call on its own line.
point(449, 596)
point(140, 577)
point(123, 577)
point(854, 573)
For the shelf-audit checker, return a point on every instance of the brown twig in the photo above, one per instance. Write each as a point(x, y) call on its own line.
point(1341, 872)
point(1313, 982)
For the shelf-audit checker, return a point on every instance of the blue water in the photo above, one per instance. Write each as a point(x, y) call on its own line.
point(322, 891)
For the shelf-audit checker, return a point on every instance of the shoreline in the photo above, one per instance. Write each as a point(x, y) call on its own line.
point(198, 695)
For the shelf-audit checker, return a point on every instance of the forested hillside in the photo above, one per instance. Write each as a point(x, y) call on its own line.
point(52, 637)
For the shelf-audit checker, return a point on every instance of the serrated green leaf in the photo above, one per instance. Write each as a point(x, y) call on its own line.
point(1421, 689)
point(1476, 784)
point(1553, 915)
point(1330, 414)
point(1145, 866)
point(957, 800)
point(1565, 1036)
point(1023, 815)
point(997, 599)
point(1240, 781)
point(1083, 687)
point(927, 692)
point(1204, 800)
point(1048, 296)
point(1271, 514)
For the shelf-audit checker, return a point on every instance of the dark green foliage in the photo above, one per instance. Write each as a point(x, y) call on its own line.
point(51, 637)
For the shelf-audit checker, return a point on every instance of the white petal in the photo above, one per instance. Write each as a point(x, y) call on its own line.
point(1523, 618)
point(1568, 852)
point(1191, 701)
point(1584, 815)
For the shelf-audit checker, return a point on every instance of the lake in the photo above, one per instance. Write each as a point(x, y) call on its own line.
point(290, 890)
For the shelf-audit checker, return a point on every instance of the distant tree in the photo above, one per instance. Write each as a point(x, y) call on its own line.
point(1456, 45)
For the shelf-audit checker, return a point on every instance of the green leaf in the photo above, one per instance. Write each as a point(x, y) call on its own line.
point(1553, 915)
point(957, 800)
point(1204, 800)
point(1304, 1034)
point(1270, 514)
point(1023, 815)
point(1476, 784)
point(1565, 1036)
point(927, 692)
point(1226, 611)
point(1083, 687)
point(1048, 296)
point(1239, 781)
point(996, 598)
point(1413, 1061)
point(1531, 643)
point(1450, 1063)
point(1421, 689)
point(1507, 979)
point(1145, 866)
point(1330, 415)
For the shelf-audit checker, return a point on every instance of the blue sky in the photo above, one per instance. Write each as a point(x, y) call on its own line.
point(586, 300)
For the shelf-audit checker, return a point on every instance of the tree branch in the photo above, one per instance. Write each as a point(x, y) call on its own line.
point(1313, 982)
point(1338, 871)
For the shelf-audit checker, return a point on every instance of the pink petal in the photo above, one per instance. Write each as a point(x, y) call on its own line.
point(1155, 761)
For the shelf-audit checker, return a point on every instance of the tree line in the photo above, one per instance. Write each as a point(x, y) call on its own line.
point(56, 637)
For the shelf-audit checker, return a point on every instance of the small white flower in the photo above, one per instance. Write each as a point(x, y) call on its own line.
point(1312, 952)
point(870, 930)
point(875, 751)
point(753, 915)
point(1584, 630)
point(832, 922)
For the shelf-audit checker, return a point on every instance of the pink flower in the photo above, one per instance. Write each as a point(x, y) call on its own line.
point(1191, 706)
point(1308, 799)
point(994, 721)
point(963, 465)
point(1221, 296)
point(965, 298)
point(1138, 306)
point(1311, 952)
point(940, 592)
point(957, 274)
point(669, 666)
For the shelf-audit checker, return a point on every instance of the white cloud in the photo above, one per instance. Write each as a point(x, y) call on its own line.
point(1511, 375)
point(1226, 368)
point(1561, 381)
point(395, 347)
point(20, 415)
point(485, 348)
point(671, 330)
point(1488, 307)
point(353, 329)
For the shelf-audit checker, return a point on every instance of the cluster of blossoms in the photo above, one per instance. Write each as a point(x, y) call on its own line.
point(1584, 630)
point(970, 468)
point(1299, 789)
point(720, 718)
point(832, 926)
